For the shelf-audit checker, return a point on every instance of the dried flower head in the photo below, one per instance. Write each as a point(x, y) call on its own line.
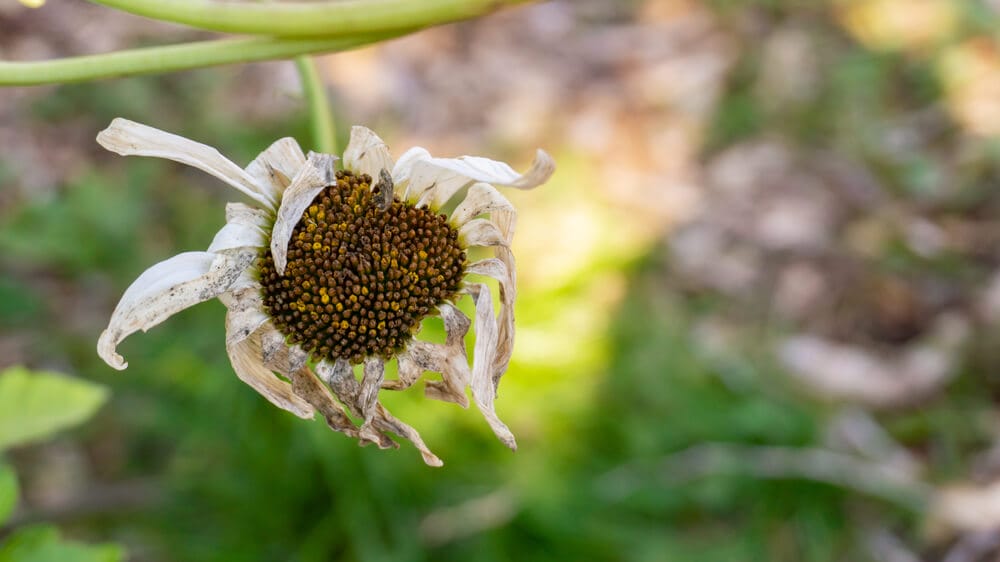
point(336, 268)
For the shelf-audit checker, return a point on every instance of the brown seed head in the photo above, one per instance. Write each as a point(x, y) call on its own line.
point(359, 279)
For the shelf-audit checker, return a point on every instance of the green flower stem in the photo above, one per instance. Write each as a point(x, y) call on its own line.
point(308, 19)
point(152, 60)
point(321, 116)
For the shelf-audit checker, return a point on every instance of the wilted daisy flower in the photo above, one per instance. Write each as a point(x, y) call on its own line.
point(336, 268)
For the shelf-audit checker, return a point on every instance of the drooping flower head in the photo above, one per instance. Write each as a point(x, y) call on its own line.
point(336, 268)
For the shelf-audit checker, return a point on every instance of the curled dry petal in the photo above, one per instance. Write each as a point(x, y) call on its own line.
point(481, 232)
point(505, 221)
point(278, 355)
point(404, 166)
point(277, 165)
point(450, 359)
point(433, 181)
point(374, 373)
point(340, 377)
point(245, 227)
point(313, 177)
point(245, 315)
point(484, 384)
point(366, 153)
point(482, 198)
point(498, 173)
point(246, 356)
point(498, 269)
point(436, 185)
point(129, 138)
point(491, 267)
point(305, 384)
point(165, 289)
point(455, 371)
point(420, 356)
point(290, 361)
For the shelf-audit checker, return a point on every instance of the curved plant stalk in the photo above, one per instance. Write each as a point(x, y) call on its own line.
point(320, 114)
point(152, 60)
point(308, 19)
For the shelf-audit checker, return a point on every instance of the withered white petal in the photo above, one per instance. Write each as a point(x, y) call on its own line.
point(482, 198)
point(245, 314)
point(246, 281)
point(371, 382)
point(366, 153)
point(483, 383)
point(245, 227)
point(505, 320)
point(340, 377)
point(455, 373)
point(245, 355)
point(277, 354)
point(418, 357)
point(277, 165)
point(129, 138)
point(491, 267)
point(480, 169)
point(313, 177)
point(404, 166)
point(431, 185)
point(481, 232)
point(165, 289)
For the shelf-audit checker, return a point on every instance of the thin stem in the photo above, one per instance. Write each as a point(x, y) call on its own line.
point(308, 19)
point(321, 116)
point(171, 58)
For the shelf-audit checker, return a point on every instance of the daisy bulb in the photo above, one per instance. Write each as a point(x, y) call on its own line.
point(335, 268)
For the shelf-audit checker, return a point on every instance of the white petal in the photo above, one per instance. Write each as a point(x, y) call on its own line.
point(370, 385)
point(305, 385)
point(491, 267)
point(498, 269)
point(493, 172)
point(484, 384)
point(455, 374)
point(442, 184)
point(277, 165)
point(366, 153)
point(418, 357)
point(245, 316)
point(508, 295)
point(246, 281)
point(129, 138)
point(340, 377)
point(245, 227)
point(456, 325)
point(404, 166)
point(313, 177)
point(165, 289)
point(246, 357)
point(482, 198)
point(481, 232)
point(278, 354)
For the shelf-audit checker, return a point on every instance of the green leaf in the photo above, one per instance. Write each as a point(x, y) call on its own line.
point(34, 405)
point(42, 544)
point(8, 492)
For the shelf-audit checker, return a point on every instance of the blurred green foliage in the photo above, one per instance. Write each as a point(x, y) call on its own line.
point(33, 406)
point(42, 543)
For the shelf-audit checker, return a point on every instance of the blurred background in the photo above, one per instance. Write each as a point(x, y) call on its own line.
point(760, 299)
